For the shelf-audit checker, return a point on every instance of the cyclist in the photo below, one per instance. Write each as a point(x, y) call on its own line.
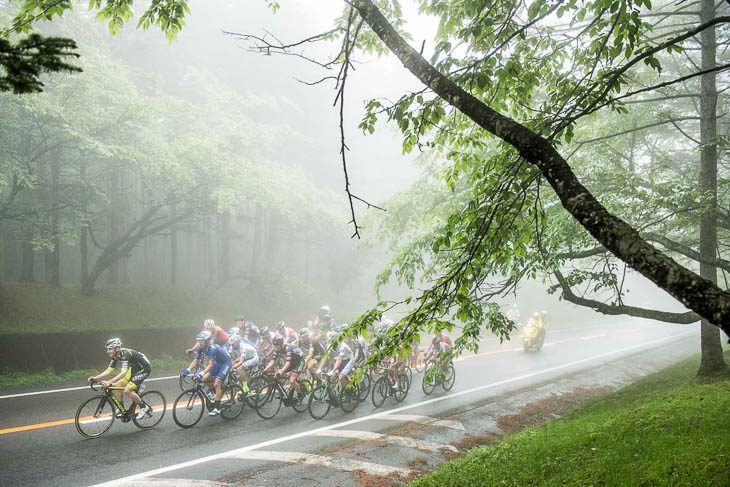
point(218, 366)
point(244, 356)
point(217, 335)
point(316, 351)
point(344, 361)
point(323, 321)
point(251, 332)
point(289, 335)
point(135, 368)
point(294, 360)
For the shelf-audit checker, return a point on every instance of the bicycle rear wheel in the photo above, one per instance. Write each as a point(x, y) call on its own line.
point(401, 387)
point(300, 403)
point(94, 417)
point(255, 385)
point(319, 401)
point(188, 408)
point(233, 401)
point(156, 401)
point(268, 402)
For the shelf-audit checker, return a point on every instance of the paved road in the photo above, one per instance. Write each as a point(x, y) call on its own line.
point(40, 446)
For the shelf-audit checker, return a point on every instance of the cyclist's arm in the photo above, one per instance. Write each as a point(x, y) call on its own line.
point(338, 362)
point(97, 377)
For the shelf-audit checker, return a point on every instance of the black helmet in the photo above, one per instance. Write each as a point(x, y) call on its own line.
point(240, 318)
point(277, 340)
point(280, 325)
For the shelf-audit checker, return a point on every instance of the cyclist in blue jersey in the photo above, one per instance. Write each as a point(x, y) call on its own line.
point(218, 366)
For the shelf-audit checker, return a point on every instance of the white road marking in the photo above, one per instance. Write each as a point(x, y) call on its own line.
point(345, 464)
point(416, 418)
point(282, 439)
point(73, 388)
point(167, 482)
point(593, 337)
point(392, 439)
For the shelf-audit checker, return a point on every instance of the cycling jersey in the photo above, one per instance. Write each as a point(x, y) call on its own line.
point(348, 358)
point(290, 337)
point(243, 350)
point(218, 335)
point(216, 353)
point(128, 358)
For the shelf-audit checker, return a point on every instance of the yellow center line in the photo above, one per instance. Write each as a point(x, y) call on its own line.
point(62, 422)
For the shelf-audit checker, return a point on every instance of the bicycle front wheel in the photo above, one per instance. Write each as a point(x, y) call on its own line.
point(350, 398)
point(365, 384)
point(268, 402)
point(188, 408)
point(450, 377)
point(233, 401)
point(430, 378)
point(94, 417)
point(401, 387)
point(421, 362)
point(319, 401)
point(380, 391)
point(156, 401)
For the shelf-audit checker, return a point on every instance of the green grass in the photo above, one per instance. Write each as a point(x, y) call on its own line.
point(667, 429)
point(50, 376)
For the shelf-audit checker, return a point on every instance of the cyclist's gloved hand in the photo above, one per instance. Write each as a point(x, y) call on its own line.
point(185, 372)
point(198, 376)
point(90, 379)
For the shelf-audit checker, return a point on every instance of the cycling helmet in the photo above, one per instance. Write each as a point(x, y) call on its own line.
point(203, 335)
point(208, 324)
point(233, 339)
point(240, 318)
point(234, 331)
point(265, 331)
point(113, 343)
point(277, 340)
point(280, 325)
point(304, 333)
point(324, 311)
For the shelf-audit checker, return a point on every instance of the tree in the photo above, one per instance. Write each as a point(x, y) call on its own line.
point(501, 42)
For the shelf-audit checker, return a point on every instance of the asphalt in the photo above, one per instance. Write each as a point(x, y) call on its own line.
point(218, 452)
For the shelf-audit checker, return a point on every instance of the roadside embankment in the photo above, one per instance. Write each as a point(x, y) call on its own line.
point(667, 429)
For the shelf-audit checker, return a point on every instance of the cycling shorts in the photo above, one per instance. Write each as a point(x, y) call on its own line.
point(135, 378)
point(297, 364)
point(347, 367)
point(220, 370)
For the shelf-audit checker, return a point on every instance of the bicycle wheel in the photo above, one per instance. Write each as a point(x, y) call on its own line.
point(365, 386)
point(450, 378)
point(430, 378)
point(94, 417)
point(400, 390)
point(350, 398)
point(156, 401)
point(409, 373)
point(188, 408)
point(255, 385)
point(268, 402)
point(186, 382)
point(300, 403)
point(421, 362)
point(380, 391)
point(233, 401)
point(319, 401)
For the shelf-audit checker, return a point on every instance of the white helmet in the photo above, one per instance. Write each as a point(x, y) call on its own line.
point(208, 324)
point(113, 343)
point(233, 339)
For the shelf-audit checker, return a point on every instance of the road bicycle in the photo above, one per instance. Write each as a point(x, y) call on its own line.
point(191, 403)
point(96, 415)
point(390, 384)
point(272, 394)
point(438, 372)
point(329, 393)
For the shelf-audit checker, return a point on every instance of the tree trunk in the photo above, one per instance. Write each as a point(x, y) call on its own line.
point(54, 272)
point(224, 248)
point(712, 360)
point(173, 247)
point(28, 274)
point(114, 217)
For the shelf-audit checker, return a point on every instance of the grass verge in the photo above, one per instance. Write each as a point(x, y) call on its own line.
point(50, 376)
point(667, 429)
